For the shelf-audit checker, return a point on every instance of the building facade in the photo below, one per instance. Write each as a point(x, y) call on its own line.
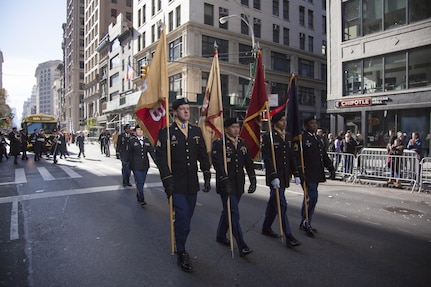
point(379, 75)
point(46, 74)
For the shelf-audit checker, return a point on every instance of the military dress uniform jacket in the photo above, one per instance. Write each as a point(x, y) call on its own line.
point(185, 152)
point(285, 159)
point(315, 158)
point(236, 159)
point(123, 145)
point(138, 153)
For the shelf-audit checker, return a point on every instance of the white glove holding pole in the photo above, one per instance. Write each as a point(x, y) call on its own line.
point(275, 183)
point(297, 180)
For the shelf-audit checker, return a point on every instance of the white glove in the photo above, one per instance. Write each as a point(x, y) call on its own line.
point(275, 183)
point(297, 180)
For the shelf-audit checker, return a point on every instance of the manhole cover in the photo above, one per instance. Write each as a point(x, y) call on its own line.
point(402, 210)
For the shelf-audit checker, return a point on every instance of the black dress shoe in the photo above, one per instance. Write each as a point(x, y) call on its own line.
point(223, 241)
point(245, 251)
point(270, 233)
point(143, 203)
point(292, 242)
point(184, 261)
point(128, 184)
point(307, 228)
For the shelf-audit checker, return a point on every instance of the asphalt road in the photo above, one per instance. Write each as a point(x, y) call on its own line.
point(73, 224)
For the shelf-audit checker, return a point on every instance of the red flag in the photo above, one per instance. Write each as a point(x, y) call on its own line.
point(211, 120)
point(151, 107)
point(259, 100)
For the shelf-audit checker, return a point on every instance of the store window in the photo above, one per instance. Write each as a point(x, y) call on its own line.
point(395, 71)
point(352, 78)
point(372, 16)
point(420, 67)
point(395, 13)
point(373, 74)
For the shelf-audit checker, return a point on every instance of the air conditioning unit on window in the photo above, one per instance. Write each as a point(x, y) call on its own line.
point(256, 21)
point(301, 35)
point(275, 27)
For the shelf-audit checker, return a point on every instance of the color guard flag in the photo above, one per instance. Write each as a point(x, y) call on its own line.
point(292, 117)
point(259, 100)
point(151, 107)
point(211, 120)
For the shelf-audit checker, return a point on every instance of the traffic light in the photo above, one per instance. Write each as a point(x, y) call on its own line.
point(144, 71)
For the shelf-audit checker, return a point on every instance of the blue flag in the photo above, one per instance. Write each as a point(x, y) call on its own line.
point(292, 113)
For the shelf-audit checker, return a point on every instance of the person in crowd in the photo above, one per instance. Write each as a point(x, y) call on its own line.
point(3, 145)
point(42, 139)
point(394, 161)
point(122, 151)
point(180, 180)
point(323, 138)
point(359, 142)
point(415, 143)
point(24, 143)
point(138, 151)
point(278, 175)
point(230, 183)
point(56, 144)
point(15, 143)
point(80, 142)
point(63, 145)
point(34, 143)
point(348, 147)
point(331, 143)
point(338, 157)
point(315, 160)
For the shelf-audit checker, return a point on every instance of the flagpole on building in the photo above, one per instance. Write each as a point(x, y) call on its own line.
point(277, 190)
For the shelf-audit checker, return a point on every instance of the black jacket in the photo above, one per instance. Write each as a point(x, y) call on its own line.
point(236, 159)
point(185, 153)
point(138, 153)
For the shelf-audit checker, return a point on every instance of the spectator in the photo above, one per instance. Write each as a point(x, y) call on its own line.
point(415, 143)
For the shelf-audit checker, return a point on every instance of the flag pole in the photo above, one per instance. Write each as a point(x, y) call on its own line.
point(275, 170)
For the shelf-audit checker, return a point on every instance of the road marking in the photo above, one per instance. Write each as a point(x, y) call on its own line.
point(70, 172)
point(20, 176)
point(14, 221)
point(41, 195)
point(45, 173)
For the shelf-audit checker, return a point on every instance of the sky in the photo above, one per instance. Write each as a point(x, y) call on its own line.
point(30, 33)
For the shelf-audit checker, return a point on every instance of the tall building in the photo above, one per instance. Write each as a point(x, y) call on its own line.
point(380, 68)
point(98, 15)
point(73, 49)
point(291, 34)
point(46, 73)
point(1, 69)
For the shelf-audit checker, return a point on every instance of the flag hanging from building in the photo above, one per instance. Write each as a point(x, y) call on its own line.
point(292, 110)
point(130, 73)
point(211, 120)
point(259, 100)
point(151, 107)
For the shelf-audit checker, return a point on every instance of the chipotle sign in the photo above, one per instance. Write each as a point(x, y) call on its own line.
point(357, 102)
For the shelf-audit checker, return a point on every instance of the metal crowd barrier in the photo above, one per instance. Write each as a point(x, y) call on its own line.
point(345, 164)
point(425, 173)
point(375, 163)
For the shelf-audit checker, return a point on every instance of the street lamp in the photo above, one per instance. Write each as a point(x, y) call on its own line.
point(224, 19)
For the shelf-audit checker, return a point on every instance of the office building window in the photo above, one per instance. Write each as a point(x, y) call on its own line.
point(171, 21)
point(323, 72)
point(305, 68)
point(395, 13)
point(257, 27)
point(153, 33)
point(306, 96)
point(244, 26)
point(371, 16)
point(144, 14)
point(310, 19)
point(114, 80)
point(310, 44)
point(221, 13)
point(208, 47)
point(420, 67)
point(276, 33)
point(286, 36)
point(419, 10)
point(153, 7)
point(352, 77)
point(175, 84)
point(285, 9)
point(280, 62)
point(208, 14)
point(302, 41)
point(245, 54)
point(244, 2)
point(275, 8)
point(324, 25)
point(351, 20)
point(175, 49)
point(301, 15)
point(256, 4)
point(395, 71)
point(373, 75)
point(178, 14)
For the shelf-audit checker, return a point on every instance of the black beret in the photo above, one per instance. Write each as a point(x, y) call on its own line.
point(179, 102)
point(275, 118)
point(137, 127)
point(126, 126)
point(310, 118)
point(230, 121)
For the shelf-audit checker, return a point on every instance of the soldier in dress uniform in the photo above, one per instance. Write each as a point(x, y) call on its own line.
point(286, 166)
point(315, 160)
point(15, 143)
point(187, 147)
point(24, 143)
point(33, 141)
point(139, 148)
point(56, 144)
point(122, 151)
point(230, 183)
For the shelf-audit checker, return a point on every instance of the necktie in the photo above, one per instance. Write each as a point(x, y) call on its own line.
point(183, 125)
